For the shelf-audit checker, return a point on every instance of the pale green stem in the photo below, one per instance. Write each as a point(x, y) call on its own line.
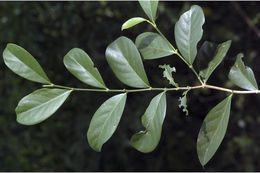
point(232, 91)
point(155, 89)
point(121, 90)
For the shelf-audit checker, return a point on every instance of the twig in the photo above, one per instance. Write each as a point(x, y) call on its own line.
point(155, 89)
point(246, 18)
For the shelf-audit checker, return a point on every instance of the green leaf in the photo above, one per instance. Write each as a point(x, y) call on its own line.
point(125, 61)
point(206, 53)
point(150, 8)
point(213, 130)
point(242, 75)
point(132, 22)
point(188, 32)
point(146, 141)
point(40, 105)
point(183, 102)
point(218, 58)
point(81, 66)
point(167, 73)
point(152, 46)
point(23, 64)
point(105, 121)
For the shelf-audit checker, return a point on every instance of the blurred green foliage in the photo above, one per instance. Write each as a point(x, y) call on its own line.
point(48, 30)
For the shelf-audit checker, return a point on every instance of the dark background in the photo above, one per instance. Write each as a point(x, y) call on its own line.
point(48, 30)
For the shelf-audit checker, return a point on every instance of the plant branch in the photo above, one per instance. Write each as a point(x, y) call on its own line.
point(246, 18)
point(155, 89)
point(176, 52)
point(232, 91)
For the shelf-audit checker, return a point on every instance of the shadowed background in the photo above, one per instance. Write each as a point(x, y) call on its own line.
point(48, 30)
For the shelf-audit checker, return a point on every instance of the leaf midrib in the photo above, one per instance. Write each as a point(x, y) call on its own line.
point(244, 73)
point(108, 117)
point(206, 152)
point(164, 50)
point(150, 119)
point(208, 73)
point(189, 36)
point(87, 71)
point(41, 105)
point(45, 79)
point(129, 64)
point(150, 9)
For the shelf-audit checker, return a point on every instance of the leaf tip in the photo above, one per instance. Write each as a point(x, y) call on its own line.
point(122, 27)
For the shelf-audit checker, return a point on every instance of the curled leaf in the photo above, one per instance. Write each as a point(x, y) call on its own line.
point(167, 73)
point(147, 140)
point(132, 22)
point(183, 102)
point(242, 75)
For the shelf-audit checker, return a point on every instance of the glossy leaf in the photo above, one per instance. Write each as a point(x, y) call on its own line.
point(146, 141)
point(218, 58)
point(150, 8)
point(167, 73)
point(188, 32)
point(152, 46)
point(81, 66)
point(23, 64)
point(242, 75)
point(125, 61)
point(40, 105)
point(183, 102)
point(213, 130)
point(132, 22)
point(105, 121)
point(205, 55)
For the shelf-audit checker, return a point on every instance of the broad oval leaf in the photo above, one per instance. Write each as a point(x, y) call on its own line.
point(132, 22)
point(150, 8)
point(146, 141)
point(213, 130)
point(125, 61)
point(188, 32)
point(220, 53)
point(81, 66)
point(242, 75)
point(23, 64)
point(105, 121)
point(40, 105)
point(152, 46)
